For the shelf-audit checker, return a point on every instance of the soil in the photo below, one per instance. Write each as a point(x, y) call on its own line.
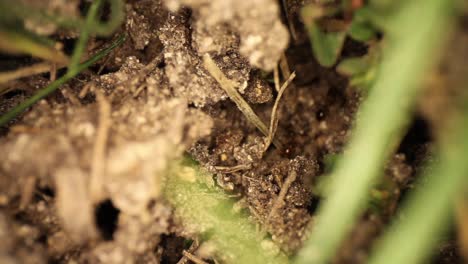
point(95, 146)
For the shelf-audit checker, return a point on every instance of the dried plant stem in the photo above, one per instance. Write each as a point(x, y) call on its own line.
point(230, 88)
point(98, 168)
point(279, 203)
point(193, 258)
point(276, 78)
point(274, 113)
point(38, 68)
point(284, 66)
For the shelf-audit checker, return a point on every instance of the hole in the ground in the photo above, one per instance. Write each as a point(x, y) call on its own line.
point(45, 191)
point(11, 94)
point(107, 217)
point(418, 134)
point(173, 246)
point(313, 205)
point(320, 115)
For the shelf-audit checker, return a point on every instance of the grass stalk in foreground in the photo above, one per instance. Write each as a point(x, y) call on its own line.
point(427, 212)
point(208, 211)
point(421, 26)
point(87, 29)
point(57, 83)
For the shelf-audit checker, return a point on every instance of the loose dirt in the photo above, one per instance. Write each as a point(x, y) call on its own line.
point(77, 177)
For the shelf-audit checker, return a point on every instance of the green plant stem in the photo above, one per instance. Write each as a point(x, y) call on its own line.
point(80, 46)
point(59, 82)
point(382, 118)
point(427, 212)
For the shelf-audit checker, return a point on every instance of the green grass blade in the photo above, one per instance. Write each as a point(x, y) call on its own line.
point(59, 82)
point(91, 18)
point(382, 118)
point(427, 212)
point(326, 46)
point(116, 17)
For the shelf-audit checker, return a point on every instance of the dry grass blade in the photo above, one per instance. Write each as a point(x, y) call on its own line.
point(99, 152)
point(232, 169)
point(230, 88)
point(284, 66)
point(274, 113)
point(20, 43)
point(193, 258)
point(38, 68)
point(276, 78)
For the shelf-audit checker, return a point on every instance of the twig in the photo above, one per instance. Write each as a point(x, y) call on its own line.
point(70, 97)
point(276, 78)
point(292, 30)
point(232, 168)
point(99, 151)
point(193, 258)
point(27, 191)
point(284, 66)
point(194, 246)
point(53, 71)
point(38, 68)
point(274, 113)
point(142, 73)
point(229, 87)
point(279, 203)
point(84, 91)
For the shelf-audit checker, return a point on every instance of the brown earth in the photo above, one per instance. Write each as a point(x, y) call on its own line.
point(95, 146)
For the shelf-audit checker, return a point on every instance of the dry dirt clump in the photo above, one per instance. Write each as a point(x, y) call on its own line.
point(263, 37)
point(66, 8)
point(110, 149)
point(187, 37)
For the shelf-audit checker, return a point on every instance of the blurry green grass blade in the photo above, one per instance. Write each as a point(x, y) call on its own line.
point(362, 71)
point(326, 46)
point(428, 211)
point(354, 66)
point(80, 46)
point(208, 210)
point(382, 118)
point(59, 82)
point(116, 17)
point(360, 28)
point(22, 42)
